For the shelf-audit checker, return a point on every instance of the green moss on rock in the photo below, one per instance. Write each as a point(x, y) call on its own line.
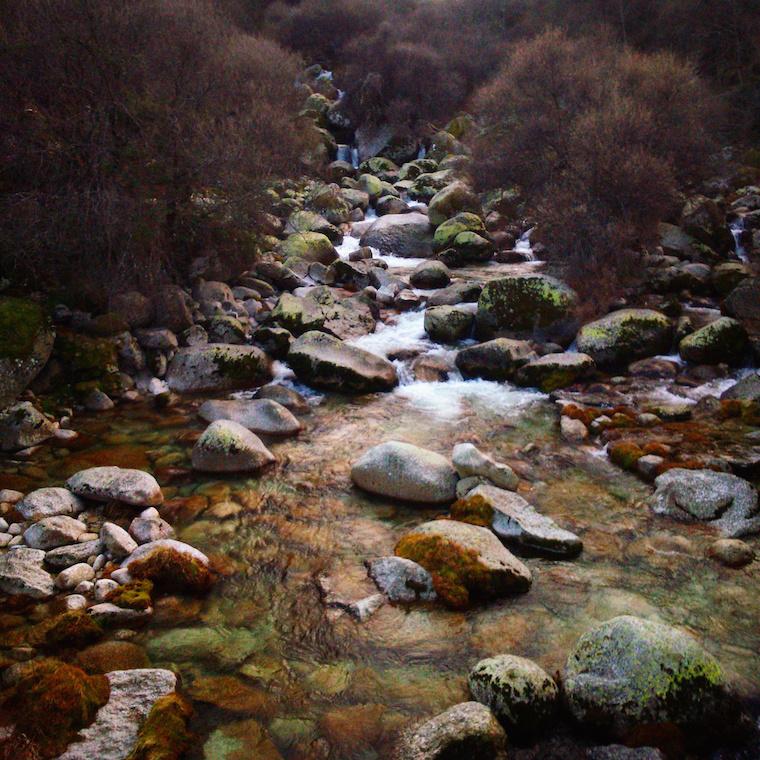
point(165, 734)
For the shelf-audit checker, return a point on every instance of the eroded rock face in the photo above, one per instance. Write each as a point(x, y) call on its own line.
point(403, 471)
point(227, 446)
point(630, 672)
point(625, 335)
point(468, 730)
point(128, 486)
point(404, 235)
point(518, 691)
point(526, 306)
point(725, 501)
point(217, 366)
point(114, 732)
point(325, 362)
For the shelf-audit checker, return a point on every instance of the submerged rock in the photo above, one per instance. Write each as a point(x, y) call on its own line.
point(630, 672)
point(466, 561)
point(259, 416)
point(21, 572)
point(114, 732)
point(469, 462)
point(217, 366)
point(325, 362)
point(725, 501)
point(227, 446)
point(128, 486)
point(468, 730)
point(403, 471)
point(623, 336)
point(521, 695)
point(402, 580)
point(514, 519)
point(284, 396)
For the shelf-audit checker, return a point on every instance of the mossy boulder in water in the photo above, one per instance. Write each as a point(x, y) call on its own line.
point(496, 359)
point(448, 324)
point(310, 221)
point(449, 229)
point(51, 703)
point(309, 246)
point(623, 336)
point(403, 471)
point(526, 306)
point(629, 673)
point(519, 692)
point(169, 565)
point(467, 730)
point(125, 485)
point(553, 371)
point(164, 735)
point(85, 359)
point(26, 341)
point(325, 362)
point(724, 340)
point(466, 562)
point(218, 367)
point(227, 446)
point(450, 201)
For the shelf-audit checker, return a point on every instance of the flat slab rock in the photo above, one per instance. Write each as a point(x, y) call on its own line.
point(114, 732)
point(514, 519)
point(128, 486)
point(21, 572)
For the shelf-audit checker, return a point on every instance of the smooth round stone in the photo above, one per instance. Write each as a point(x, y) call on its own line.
point(262, 416)
point(75, 602)
point(227, 446)
point(72, 576)
point(49, 502)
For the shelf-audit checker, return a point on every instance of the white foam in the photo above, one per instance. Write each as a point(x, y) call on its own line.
point(348, 246)
point(405, 332)
point(455, 398)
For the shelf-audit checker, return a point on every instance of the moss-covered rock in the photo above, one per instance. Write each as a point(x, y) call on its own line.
point(496, 359)
point(310, 221)
point(26, 341)
point(521, 695)
point(449, 229)
point(522, 306)
point(69, 629)
point(381, 167)
point(726, 276)
point(165, 734)
point(87, 361)
point(626, 335)
point(309, 246)
point(448, 324)
point(450, 201)
point(218, 367)
point(724, 340)
point(426, 186)
point(371, 185)
point(106, 656)
point(466, 562)
point(553, 371)
point(51, 702)
point(167, 569)
point(136, 595)
point(628, 673)
point(328, 200)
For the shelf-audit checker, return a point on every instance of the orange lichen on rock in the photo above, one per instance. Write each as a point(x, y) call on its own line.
point(625, 454)
point(474, 510)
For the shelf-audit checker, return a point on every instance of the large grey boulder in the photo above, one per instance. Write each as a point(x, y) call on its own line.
point(527, 306)
point(227, 446)
point(403, 471)
point(623, 336)
point(217, 367)
point(404, 235)
point(496, 359)
point(521, 695)
point(48, 502)
point(22, 425)
point(21, 572)
point(725, 501)
point(113, 734)
point(515, 520)
point(325, 362)
point(258, 415)
point(401, 580)
point(629, 672)
point(51, 532)
point(122, 484)
point(468, 730)
point(26, 341)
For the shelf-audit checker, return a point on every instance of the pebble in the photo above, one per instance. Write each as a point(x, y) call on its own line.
point(104, 587)
point(99, 562)
point(15, 529)
point(121, 576)
point(84, 587)
point(3, 525)
point(75, 602)
point(71, 577)
point(9, 496)
point(5, 539)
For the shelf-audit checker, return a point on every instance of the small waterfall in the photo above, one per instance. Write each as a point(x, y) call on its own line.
point(344, 153)
point(355, 157)
point(737, 228)
point(524, 247)
point(422, 152)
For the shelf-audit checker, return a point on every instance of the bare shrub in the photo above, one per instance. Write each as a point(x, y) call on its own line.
point(598, 137)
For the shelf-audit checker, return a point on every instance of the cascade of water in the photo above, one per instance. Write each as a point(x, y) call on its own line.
point(355, 157)
point(344, 153)
point(737, 228)
point(523, 245)
point(422, 152)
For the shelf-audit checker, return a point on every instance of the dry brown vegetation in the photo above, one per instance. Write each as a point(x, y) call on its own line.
point(135, 135)
point(598, 137)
